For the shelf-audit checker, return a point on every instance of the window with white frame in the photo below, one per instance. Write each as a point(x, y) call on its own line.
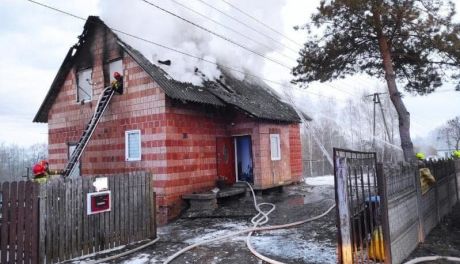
point(84, 85)
point(133, 145)
point(275, 148)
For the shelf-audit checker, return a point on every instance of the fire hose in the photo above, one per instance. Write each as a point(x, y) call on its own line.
point(432, 258)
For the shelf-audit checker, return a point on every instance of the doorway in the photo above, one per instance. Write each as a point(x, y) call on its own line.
point(243, 159)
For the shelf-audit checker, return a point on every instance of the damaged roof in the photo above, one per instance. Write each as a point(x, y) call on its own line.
point(254, 98)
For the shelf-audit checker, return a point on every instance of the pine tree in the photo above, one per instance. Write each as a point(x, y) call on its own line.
point(412, 42)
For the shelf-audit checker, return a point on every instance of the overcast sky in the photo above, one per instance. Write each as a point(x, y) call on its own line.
point(34, 41)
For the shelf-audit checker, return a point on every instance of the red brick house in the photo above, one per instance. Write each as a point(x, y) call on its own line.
point(185, 135)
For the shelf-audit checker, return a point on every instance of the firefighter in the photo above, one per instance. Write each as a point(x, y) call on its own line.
point(117, 84)
point(426, 178)
point(41, 171)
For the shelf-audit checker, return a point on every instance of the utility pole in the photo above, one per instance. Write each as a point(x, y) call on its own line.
point(376, 100)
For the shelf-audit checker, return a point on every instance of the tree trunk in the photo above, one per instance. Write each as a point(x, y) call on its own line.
point(395, 95)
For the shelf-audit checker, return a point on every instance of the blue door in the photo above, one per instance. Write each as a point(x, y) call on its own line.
point(244, 159)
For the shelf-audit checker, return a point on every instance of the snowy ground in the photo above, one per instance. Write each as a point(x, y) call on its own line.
point(314, 242)
point(320, 180)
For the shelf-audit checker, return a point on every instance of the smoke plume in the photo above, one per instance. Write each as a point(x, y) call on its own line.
point(146, 21)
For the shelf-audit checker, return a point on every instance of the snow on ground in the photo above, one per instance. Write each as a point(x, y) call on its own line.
point(139, 259)
point(218, 230)
point(320, 180)
point(289, 244)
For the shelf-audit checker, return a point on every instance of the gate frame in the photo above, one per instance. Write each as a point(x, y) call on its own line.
point(343, 215)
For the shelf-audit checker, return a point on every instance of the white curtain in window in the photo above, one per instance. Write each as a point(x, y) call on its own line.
point(133, 145)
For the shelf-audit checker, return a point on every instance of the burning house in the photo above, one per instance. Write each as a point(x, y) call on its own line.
point(187, 135)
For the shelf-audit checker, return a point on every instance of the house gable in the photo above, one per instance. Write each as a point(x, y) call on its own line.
point(80, 56)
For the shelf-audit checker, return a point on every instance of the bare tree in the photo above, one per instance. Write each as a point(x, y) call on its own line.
point(16, 162)
point(451, 132)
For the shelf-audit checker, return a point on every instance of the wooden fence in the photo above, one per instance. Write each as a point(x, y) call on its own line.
point(49, 223)
point(19, 222)
point(69, 232)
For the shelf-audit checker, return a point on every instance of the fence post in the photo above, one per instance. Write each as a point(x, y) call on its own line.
point(345, 250)
point(435, 170)
point(421, 228)
point(447, 176)
point(382, 183)
point(152, 204)
point(457, 175)
point(41, 223)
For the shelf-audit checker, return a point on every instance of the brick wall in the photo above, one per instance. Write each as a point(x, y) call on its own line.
point(191, 152)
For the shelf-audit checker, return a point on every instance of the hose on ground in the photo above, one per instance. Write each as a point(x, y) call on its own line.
point(432, 258)
point(260, 218)
point(124, 253)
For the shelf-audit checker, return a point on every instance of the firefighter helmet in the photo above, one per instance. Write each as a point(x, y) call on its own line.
point(456, 154)
point(40, 168)
point(420, 155)
point(117, 76)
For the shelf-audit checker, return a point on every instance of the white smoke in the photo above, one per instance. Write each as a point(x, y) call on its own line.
point(146, 21)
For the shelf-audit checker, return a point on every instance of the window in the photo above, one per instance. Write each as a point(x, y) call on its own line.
point(275, 149)
point(84, 85)
point(133, 145)
point(115, 66)
point(76, 171)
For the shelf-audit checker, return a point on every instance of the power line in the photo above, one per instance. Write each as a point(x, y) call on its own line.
point(215, 34)
point(230, 29)
point(246, 25)
point(164, 46)
point(340, 90)
point(262, 23)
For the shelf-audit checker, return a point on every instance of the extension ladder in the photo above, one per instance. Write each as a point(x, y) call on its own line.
point(102, 104)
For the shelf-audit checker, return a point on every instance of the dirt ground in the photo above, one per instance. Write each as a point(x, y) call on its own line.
point(313, 242)
point(443, 240)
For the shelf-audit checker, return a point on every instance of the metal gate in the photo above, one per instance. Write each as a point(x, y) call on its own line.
point(362, 216)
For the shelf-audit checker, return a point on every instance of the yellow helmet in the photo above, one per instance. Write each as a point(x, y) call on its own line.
point(420, 155)
point(456, 154)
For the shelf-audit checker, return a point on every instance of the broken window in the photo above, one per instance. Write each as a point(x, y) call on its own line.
point(133, 145)
point(275, 148)
point(84, 85)
point(115, 66)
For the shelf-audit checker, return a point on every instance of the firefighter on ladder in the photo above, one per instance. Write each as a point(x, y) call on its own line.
point(117, 84)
